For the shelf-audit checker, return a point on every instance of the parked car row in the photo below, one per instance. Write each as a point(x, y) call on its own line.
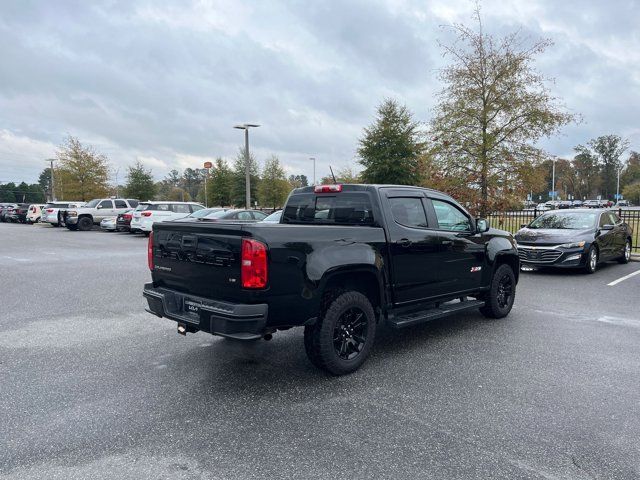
point(122, 215)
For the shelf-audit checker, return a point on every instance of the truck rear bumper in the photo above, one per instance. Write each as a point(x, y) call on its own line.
point(240, 321)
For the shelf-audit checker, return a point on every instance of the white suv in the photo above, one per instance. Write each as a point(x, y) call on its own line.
point(147, 213)
point(50, 212)
point(95, 211)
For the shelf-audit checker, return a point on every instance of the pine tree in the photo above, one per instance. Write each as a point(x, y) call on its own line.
point(274, 187)
point(238, 188)
point(391, 146)
point(140, 183)
point(219, 185)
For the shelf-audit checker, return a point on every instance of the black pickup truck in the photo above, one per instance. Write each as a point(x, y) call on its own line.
point(342, 259)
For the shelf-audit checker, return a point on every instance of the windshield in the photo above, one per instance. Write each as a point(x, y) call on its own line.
point(565, 220)
point(218, 214)
point(203, 212)
point(274, 217)
point(93, 203)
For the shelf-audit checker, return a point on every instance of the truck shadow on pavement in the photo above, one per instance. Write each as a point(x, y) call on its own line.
point(280, 366)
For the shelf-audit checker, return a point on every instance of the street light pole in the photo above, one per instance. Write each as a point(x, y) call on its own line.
point(618, 185)
point(53, 189)
point(247, 172)
point(314, 169)
point(553, 180)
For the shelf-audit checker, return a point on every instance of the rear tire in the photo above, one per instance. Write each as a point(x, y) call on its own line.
point(342, 338)
point(501, 295)
point(592, 260)
point(73, 228)
point(85, 224)
point(626, 255)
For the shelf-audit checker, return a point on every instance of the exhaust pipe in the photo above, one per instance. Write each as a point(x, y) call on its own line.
point(182, 330)
point(268, 337)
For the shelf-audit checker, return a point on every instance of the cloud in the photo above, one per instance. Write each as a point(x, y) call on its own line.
point(164, 82)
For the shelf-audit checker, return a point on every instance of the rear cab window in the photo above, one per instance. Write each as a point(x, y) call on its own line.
point(342, 208)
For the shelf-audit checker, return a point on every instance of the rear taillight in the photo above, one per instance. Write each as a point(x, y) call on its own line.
point(253, 264)
point(327, 188)
point(49, 210)
point(146, 214)
point(150, 252)
point(127, 216)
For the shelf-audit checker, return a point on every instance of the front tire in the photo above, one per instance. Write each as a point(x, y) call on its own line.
point(592, 261)
point(626, 256)
point(342, 338)
point(501, 295)
point(85, 224)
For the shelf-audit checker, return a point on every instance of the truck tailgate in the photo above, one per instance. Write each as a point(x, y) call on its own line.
point(198, 257)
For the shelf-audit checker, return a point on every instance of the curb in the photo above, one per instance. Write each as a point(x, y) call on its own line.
point(635, 257)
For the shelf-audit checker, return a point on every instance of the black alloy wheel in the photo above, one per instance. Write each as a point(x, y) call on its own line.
point(343, 335)
point(350, 333)
point(505, 290)
point(501, 295)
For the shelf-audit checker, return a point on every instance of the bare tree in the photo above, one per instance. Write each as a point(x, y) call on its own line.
point(493, 109)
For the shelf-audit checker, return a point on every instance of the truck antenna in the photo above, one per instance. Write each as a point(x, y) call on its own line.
point(334, 177)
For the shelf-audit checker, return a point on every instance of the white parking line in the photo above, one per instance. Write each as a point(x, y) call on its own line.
point(622, 279)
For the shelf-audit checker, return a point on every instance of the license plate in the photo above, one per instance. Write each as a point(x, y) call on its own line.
point(192, 307)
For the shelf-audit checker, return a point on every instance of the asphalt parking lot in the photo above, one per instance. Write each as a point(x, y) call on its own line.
point(91, 386)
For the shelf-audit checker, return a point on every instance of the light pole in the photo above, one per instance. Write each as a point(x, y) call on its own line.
point(246, 127)
point(553, 179)
point(117, 172)
point(53, 190)
point(314, 169)
point(618, 185)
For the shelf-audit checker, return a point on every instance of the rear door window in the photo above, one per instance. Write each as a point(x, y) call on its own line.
point(346, 208)
point(106, 204)
point(244, 216)
point(121, 204)
point(180, 208)
point(408, 211)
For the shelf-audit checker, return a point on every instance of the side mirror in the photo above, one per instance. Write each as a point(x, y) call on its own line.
point(608, 226)
point(99, 207)
point(482, 225)
point(523, 225)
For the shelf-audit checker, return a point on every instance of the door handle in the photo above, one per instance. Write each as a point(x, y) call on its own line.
point(446, 243)
point(404, 242)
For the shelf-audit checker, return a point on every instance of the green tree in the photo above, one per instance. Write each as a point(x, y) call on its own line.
point(274, 187)
point(298, 181)
point(192, 181)
point(608, 149)
point(84, 172)
point(140, 183)
point(632, 192)
point(7, 192)
point(219, 188)
point(492, 111)
point(238, 179)
point(343, 175)
point(632, 172)
point(390, 147)
point(588, 172)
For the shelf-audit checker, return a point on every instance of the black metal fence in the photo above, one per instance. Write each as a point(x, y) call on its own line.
point(512, 221)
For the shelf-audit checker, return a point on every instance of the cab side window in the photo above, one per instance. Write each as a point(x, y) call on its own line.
point(450, 217)
point(408, 211)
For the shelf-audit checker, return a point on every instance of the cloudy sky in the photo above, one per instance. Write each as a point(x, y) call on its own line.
point(164, 81)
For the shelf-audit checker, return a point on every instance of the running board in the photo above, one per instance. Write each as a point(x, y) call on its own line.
point(414, 318)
